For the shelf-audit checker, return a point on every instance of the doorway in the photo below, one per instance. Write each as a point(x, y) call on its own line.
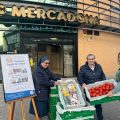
point(61, 57)
point(61, 52)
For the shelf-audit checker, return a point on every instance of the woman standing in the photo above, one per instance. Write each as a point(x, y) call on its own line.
point(43, 80)
point(117, 88)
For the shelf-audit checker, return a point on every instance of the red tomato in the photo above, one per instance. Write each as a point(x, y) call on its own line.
point(106, 91)
point(107, 87)
point(97, 95)
point(97, 91)
point(93, 90)
point(103, 93)
point(94, 94)
point(100, 89)
point(103, 88)
point(100, 94)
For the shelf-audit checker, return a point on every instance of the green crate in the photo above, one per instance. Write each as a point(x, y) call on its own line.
point(72, 115)
point(58, 117)
point(89, 118)
point(52, 112)
point(52, 108)
point(53, 117)
point(104, 100)
point(75, 113)
point(92, 118)
point(54, 90)
point(54, 99)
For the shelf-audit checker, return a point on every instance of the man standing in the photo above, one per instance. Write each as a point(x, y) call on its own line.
point(89, 73)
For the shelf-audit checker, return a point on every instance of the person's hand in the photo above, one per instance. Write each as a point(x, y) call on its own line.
point(57, 83)
point(83, 85)
point(110, 94)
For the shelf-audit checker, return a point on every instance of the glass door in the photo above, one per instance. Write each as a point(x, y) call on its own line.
point(61, 57)
point(55, 54)
point(68, 60)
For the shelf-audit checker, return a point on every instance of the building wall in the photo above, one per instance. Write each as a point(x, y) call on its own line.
point(104, 14)
point(105, 47)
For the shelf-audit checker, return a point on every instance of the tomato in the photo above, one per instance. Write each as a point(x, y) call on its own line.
point(95, 88)
point(97, 95)
point(94, 94)
point(100, 94)
point(103, 88)
point(107, 87)
point(100, 89)
point(97, 91)
point(92, 90)
point(104, 93)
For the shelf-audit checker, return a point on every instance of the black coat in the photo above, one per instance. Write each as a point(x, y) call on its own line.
point(43, 80)
point(87, 75)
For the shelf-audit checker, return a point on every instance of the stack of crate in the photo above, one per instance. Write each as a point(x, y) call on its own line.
point(54, 99)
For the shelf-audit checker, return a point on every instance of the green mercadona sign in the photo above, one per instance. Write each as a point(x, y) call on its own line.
point(50, 14)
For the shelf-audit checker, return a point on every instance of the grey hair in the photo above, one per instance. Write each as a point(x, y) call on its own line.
point(90, 55)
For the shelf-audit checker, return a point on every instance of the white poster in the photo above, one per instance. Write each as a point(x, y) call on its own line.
point(17, 76)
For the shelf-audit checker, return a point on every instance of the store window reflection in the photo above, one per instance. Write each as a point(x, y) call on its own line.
point(12, 39)
point(9, 38)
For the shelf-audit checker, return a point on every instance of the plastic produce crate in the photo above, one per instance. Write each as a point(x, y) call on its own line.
point(82, 113)
point(54, 90)
point(52, 112)
point(103, 98)
point(80, 118)
point(70, 94)
point(53, 99)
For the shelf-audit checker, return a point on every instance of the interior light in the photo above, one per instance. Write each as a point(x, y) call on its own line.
point(53, 38)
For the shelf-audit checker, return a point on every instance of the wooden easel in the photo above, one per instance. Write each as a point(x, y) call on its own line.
point(11, 108)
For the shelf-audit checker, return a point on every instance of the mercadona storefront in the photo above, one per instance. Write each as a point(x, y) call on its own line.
point(63, 30)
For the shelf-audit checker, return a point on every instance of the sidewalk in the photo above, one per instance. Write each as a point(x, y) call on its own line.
point(111, 110)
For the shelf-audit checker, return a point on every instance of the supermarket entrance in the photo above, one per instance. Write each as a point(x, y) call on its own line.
point(59, 50)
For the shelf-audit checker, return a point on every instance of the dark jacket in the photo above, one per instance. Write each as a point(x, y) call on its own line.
point(118, 75)
point(43, 80)
point(88, 76)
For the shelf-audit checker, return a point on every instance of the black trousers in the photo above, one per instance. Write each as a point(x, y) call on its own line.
point(99, 112)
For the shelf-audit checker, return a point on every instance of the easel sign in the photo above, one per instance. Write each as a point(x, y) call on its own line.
point(17, 77)
point(18, 82)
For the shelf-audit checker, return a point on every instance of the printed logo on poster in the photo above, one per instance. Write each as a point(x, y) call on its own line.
point(17, 77)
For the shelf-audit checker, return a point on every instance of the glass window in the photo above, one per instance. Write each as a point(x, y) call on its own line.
point(69, 3)
point(9, 38)
point(68, 60)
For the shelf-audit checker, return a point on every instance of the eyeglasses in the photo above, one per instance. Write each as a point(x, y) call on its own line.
point(91, 59)
point(47, 63)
